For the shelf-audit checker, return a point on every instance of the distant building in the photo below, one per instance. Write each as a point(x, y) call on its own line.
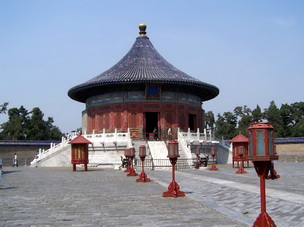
point(145, 93)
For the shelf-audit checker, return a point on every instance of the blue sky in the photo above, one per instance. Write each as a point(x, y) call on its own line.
point(253, 51)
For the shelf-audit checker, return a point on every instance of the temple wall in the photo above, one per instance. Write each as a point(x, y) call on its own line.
point(123, 110)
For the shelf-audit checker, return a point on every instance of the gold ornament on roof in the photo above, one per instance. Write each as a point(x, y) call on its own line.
point(142, 29)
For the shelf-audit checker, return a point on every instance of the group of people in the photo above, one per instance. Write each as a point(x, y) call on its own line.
point(156, 135)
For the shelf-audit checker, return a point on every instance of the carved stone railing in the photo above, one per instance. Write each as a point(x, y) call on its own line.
point(105, 140)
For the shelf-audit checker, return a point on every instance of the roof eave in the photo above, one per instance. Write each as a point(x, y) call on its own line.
point(81, 92)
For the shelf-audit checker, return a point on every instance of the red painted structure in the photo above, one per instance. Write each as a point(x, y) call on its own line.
point(142, 154)
point(144, 93)
point(136, 116)
point(173, 154)
point(213, 153)
point(262, 152)
point(80, 153)
point(130, 156)
point(238, 142)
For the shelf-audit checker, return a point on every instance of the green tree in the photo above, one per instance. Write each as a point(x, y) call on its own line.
point(288, 120)
point(226, 126)
point(297, 118)
point(3, 107)
point(272, 115)
point(209, 120)
point(245, 117)
point(37, 127)
point(52, 130)
point(16, 128)
point(24, 125)
point(286, 116)
point(257, 115)
point(298, 129)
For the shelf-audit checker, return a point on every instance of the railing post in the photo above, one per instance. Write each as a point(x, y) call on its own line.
point(152, 163)
point(205, 134)
point(115, 134)
point(129, 138)
point(210, 134)
point(198, 134)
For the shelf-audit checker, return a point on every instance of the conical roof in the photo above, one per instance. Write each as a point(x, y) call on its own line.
point(142, 65)
point(79, 139)
point(240, 138)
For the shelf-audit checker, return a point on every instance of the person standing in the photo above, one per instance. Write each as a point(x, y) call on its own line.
point(155, 133)
point(169, 134)
point(15, 161)
point(1, 170)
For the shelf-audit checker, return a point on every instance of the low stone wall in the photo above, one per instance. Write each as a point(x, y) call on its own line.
point(290, 152)
point(25, 154)
point(25, 149)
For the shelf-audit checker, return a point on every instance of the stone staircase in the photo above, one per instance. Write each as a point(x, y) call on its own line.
point(106, 150)
point(60, 158)
point(158, 149)
point(58, 155)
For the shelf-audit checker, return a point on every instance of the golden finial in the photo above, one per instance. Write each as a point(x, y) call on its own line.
point(142, 29)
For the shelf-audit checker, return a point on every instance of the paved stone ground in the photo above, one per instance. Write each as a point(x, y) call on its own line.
point(238, 195)
point(60, 197)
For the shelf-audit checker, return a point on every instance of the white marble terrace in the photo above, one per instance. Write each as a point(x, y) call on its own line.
point(107, 148)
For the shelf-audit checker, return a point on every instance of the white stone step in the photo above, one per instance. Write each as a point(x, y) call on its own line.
point(158, 149)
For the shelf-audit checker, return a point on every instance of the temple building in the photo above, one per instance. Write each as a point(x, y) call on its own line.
point(143, 93)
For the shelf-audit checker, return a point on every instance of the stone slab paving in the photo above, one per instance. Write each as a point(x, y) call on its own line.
point(60, 197)
point(238, 195)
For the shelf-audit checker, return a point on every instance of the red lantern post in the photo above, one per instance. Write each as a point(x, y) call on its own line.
point(131, 156)
point(142, 154)
point(213, 153)
point(261, 152)
point(80, 153)
point(173, 189)
point(241, 169)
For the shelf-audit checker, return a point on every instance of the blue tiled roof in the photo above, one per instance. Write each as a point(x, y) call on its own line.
point(141, 65)
point(27, 142)
point(289, 140)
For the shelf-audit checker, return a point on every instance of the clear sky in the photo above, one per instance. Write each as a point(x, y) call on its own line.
point(253, 51)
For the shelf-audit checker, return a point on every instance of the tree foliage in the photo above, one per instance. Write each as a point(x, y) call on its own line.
point(25, 125)
point(3, 107)
point(226, 125)
point(288, 120)
point(209, 120)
